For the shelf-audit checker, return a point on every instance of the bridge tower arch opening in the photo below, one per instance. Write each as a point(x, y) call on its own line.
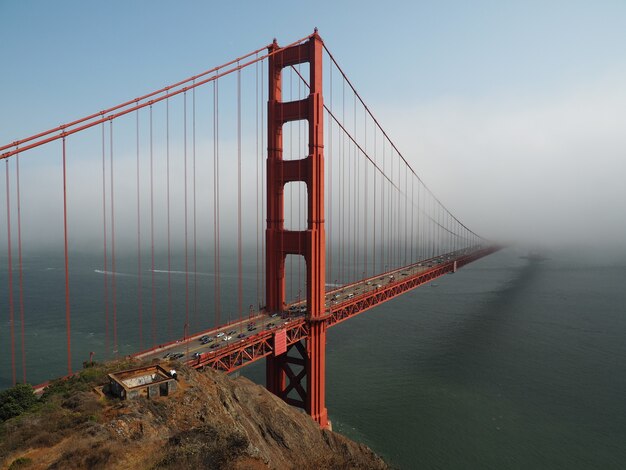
point(310, 357)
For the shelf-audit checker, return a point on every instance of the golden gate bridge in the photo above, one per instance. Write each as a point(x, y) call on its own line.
point(266, 182)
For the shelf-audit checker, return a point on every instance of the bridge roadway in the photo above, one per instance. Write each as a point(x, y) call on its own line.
point(240, 343)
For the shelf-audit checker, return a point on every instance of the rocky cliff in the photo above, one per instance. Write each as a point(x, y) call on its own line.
point(211, 421)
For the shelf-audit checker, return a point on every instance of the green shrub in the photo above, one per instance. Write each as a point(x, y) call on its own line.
point(20, 462)
point(16, 400)
point(64, 387)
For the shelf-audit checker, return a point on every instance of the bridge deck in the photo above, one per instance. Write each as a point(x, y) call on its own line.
point(243, 342)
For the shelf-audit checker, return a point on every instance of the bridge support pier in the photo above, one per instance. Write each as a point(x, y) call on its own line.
point(309, 243)
point(288, 375)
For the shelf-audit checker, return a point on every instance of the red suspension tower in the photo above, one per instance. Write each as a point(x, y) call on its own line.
point(305, 388)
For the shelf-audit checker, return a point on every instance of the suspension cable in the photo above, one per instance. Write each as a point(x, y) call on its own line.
point(21, 271)
point(127, 107)
point(113, 285)
point(104, 238)
point(10, 274)
point(139, 300)
point(67, 271)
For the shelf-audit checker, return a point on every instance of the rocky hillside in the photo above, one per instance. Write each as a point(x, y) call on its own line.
point(212, 421)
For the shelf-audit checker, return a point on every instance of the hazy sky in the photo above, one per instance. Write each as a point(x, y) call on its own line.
point(513, 113)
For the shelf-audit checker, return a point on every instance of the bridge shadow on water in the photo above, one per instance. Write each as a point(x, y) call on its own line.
point(480, 329)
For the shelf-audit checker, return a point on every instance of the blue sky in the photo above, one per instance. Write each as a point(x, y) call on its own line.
point(68, 58)
point(473, 92)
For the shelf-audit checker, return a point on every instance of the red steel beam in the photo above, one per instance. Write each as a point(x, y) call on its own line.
point(309, 243)
point(65, 130)
point(253, 348)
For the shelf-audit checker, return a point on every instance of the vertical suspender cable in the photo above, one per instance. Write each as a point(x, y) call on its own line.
point(356, 199)
point(291, 198)
point(374, 210)
point(365, 196)
point(104, 238)
point(434, 225)
point(10, 272)
point(329, 158)
point(300, 211)
point(217, 143)
point(349, 215)
point(447, 232)
point(391, 202)
point(352, 206)
point(412, 219)
point(21, 273)
point(347, 211)
point(394, 217)
point(239, 247)
point(419, 233)
point(395, 209)
point(169, 252)
point(342, 193)
point(263, 183)
point(382, 211)
point(396, 226)
point(258, 158)
point(195, 233)
point(139, 302)
point(439, 231)
point(389, 188)
point(390, 214)
point(67, 271)
point(186, 329)
point(406, 219)
point(152, 233)
point(216, 203)
point(113, 286)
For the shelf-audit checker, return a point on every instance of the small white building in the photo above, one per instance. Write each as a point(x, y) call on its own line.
point(150, 381)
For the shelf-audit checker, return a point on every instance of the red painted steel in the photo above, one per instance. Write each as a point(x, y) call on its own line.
point(87, 122)
point(10, 275)
point(261, 345)
point(67, 269)
point(309, 243)
point(20, 265)
point(361, 303)
point(280, 342)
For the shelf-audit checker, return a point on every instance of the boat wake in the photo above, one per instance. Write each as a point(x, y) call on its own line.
point(100, 271)
point(165, 271)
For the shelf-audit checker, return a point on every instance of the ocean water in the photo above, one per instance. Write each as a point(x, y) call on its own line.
point(509, 363)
